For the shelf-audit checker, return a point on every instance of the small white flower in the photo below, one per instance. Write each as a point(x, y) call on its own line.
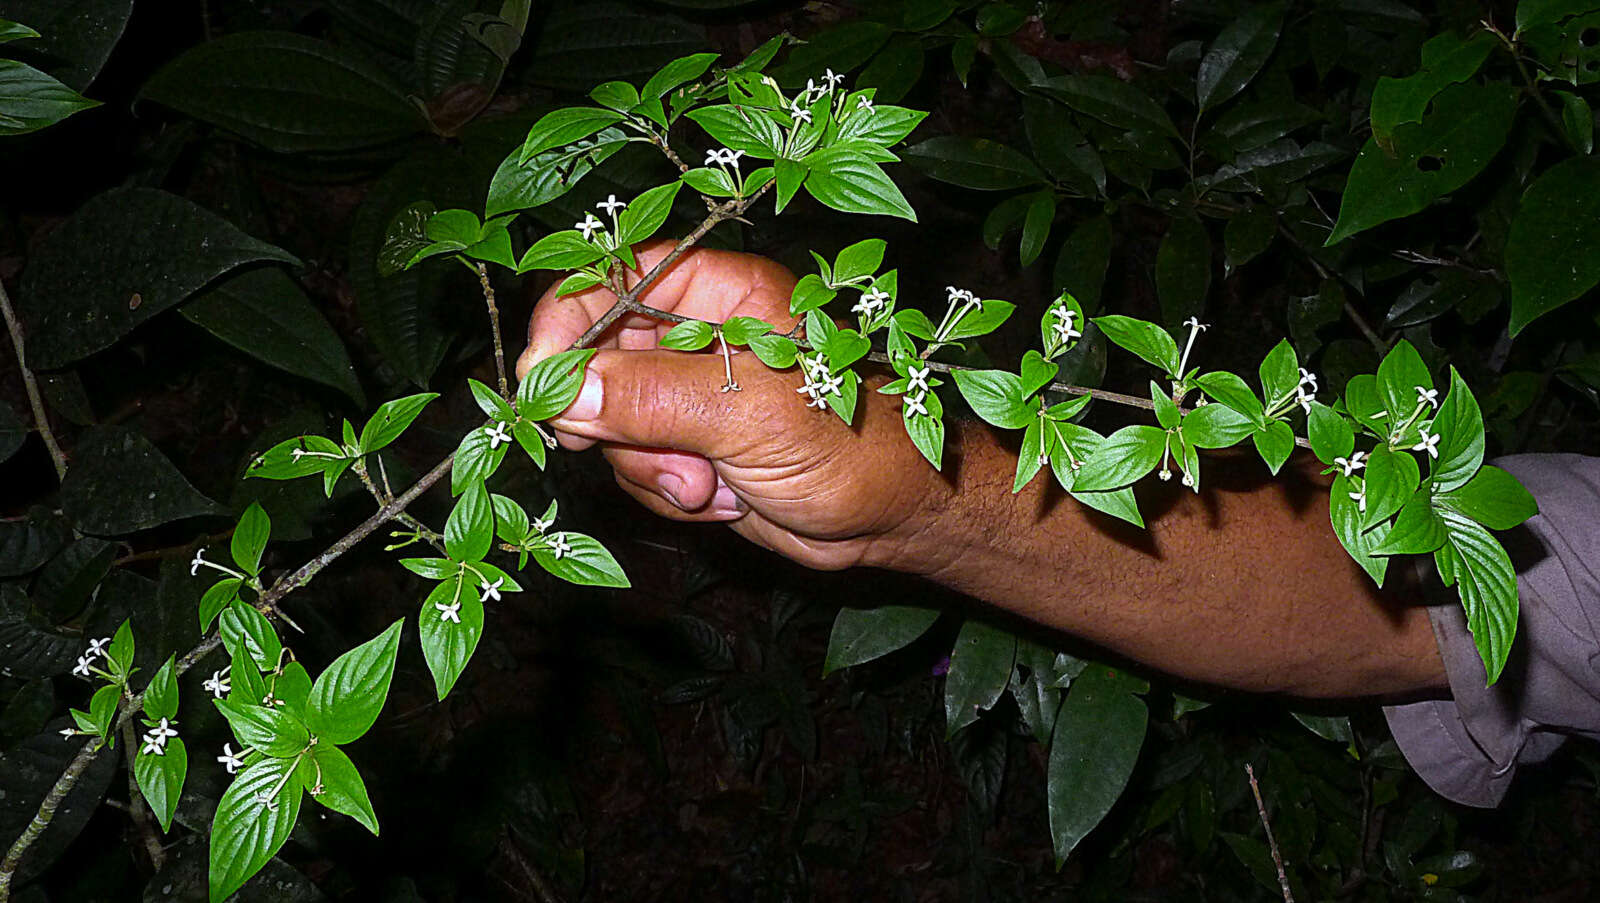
point(558, 545)
point(451, 612)
point(98, 647)
point(917, 378)
point(156, 737)
point(1360, 498)
point(82, 668)
point(713, 156)
point(1302, 399)
point(217, 684)
point(589, 226)
point(1063, 326)
point(723, 156)
point(1187, 479)
point(1165, 475)
point(1350, 465)
point(271, 701)
point(197, 560)
point(540, 525)
point(960, 294)
point(832, 79)
point(864, 104)
point(1431, 396)
point(68, 732)
point(800, 113)
point(611, 205)
point(1428, 443)
point(295, 454)
point(871, 302)
point(1307, 378)
point(153, 748)
point(819, 382)
point(914, 404)
point(497, 434)
point(229, 759)
point(1195, 324)
point(491, 591)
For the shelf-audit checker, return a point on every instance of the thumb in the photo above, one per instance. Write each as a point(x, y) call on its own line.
point(668, 399)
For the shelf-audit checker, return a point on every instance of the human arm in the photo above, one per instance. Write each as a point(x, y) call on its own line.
point(1243, 586)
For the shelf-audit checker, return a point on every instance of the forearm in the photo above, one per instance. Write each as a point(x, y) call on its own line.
point(1243, 585)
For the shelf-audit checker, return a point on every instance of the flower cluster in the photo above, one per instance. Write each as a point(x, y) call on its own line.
point(97, 649)
point(820, 382)
point(155, 739)
point(917, 390)
point(1301, 396)
point(872, 301)
point(1062, 326)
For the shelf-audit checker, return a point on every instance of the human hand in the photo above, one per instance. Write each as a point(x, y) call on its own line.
point(788, 477)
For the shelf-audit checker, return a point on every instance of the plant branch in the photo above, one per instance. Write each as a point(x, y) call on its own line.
point(494, 329)
point(1381, 346)
point(40, 420)
point(382, 496)
point(47, 811)
point(1272, 844)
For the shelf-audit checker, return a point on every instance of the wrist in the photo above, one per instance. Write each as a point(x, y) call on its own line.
point(936, 529)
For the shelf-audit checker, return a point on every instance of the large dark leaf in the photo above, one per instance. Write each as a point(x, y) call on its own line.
point(27, 773)
point(119, 483)
point(1098, 735)
point(390, 24)
point(64, 585)
point(28, 647)
point(124, 257)
point(287, 92)
point(183, 880)
point(447, 55)
point(75, 36)
point(25, 545)
point(584, 44)
point(1551, 254)
point(266, 314)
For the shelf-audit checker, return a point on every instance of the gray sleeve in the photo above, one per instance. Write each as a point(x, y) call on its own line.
point(1468, 747)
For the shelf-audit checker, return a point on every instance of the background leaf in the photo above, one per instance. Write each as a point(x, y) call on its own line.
point(861, 635)
point(1098, 733)
point(120, 483)
point(973, 163)
point(27, 773)
point(1553, 252)
point(1183, 271)
point(1238, 53)
point(75, 36)
point(980, 669)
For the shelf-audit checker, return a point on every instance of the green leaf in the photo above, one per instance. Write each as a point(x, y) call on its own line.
point(858, 260)
point(552, 384)
point(271, 730)
point(281, 463)
point(980, 669)
point(217, 598)
point(974, 163)
point(645, 214)
point(790, 175)
point(519, 184)
point(861, 635)
point(577, 282)
point(1036, 372)
point(1552, 254)
point(76, 304)
point(160, 778)
point(1330, 434)
point(741, 330)
point(250, 539)
point(246, 831)
point(1400, 374)
point(76, 36)
point(265, 313)
point(347, 696)
point(980, 320)
point(927, 434)
point(615, 95)
point(469, 531)
point(1064, 152)
point(1146, 339)
point(1451, 145)
point(1279, 372)
point(690, 335)
point(1493, 498)
point(1232, 391)
point(1246, 236)
point(775, 351)
point(1110, 100)
point(996, 396)
point(585, 563)
point(1098, 733)
point(13, 31)
point(565, 250)
point(1081, 265)
point(713, 182)
point(120, 483)
point(850, 182)
point(884, 125)
point(342, 789)
point(1345, 515)
point(1036, 226)
point(243, 627)
point(675, 73)
point(161, 694)
point(447, 646)
point(1446, 60)
point(1125, 456)
point(565, 126)
point(1238, 53)
point(741, 129)
point(391, 419)
point(287, 92)
point(1216, 426)
point(1578, 118)
point(1459, 424)
point(1391, 478)
point(1473, 562)
point(1533, 13)
point(1417, 529)
point(809, 294)
point(31, 100)
point(1183, 271)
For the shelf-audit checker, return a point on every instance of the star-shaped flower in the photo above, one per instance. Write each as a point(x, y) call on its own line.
point(864, 103)
point(611, 205)
point(217, 684)
point(451, 612)
point(559, 545)
point(157, 736)
point(914, 403)
point(832, 79)
point(1063, 325)
point(98, 647)
point(800, 113)
point(82, 668)
point(871, 301)
point(1350, 465)
point(917, 378)
point(589, 226)
point(491, 591)
point(1307, 378)
point(197, 560)
point(1431, 396)
point(1428, 443)
point(497, 434)
point(1360, 498)
point(229, 760)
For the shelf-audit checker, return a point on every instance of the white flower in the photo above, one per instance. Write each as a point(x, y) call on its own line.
point(82, 668)
point(295, 454)
point(1360, 498)
point(451, 612)
point(864, 103)
point(960, 294)
point(914, 404)
point(230, 760)
point(1302, 399)
point(68, 732)
point(270, 701)
point(589, 226)
point(723, 156)
point(871, 301)
point(1195, 324)
point(98, 647)
point(1307, 378)
point(800, 113)
point(611, 205)
point(1351, 464)
point(1165, 475)
point(155, 739)
point(917, 379)
point(819, 382)
point(1428, 443)
point(265, 798)
point(491, 591)
point(540, 525)
point(832, 79)
point(218, 684)
point(1063, 325)
point(1187, 479)
point(497, 434)
point(1431, 396)
point(153, 748)
point(197, 560)
point(558, 545)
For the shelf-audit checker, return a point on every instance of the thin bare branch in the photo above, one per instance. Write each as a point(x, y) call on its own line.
point(1272, 844)
point(41, 422)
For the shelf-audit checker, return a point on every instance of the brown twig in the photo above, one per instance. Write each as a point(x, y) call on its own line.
point(494, 329)
point(381, 495)
point(35, 400)
point(1272, 844)
point(47, 811)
